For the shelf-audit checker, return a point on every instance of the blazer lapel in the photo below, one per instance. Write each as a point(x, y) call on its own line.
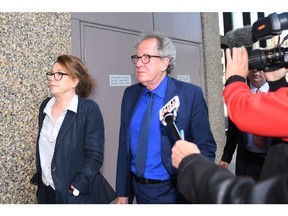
point(68, 120)
point(171, 90)
point(166, 131)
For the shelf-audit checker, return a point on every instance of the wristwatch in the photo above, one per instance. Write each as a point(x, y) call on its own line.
point(74, 191)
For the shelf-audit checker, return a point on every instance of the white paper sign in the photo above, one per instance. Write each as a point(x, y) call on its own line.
point(120, 80)
point(184, 78)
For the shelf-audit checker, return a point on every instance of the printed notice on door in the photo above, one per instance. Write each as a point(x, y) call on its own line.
point(184, 78)
point(120, 80)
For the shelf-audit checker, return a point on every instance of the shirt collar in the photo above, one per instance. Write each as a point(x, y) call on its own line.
point(263, 88)
point(72, 106)
point(161, 89)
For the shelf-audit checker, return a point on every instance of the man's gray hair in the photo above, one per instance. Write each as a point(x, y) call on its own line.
point(165, 47)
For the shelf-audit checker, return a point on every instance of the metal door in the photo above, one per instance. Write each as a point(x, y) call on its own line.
point(107, 55)
point(106, 52)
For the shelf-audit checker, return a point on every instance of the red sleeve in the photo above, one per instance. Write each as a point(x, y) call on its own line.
point(262, 114)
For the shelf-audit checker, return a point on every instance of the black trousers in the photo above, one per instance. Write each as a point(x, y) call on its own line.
point(46, 194)
point(160, 193)
point(276, 161)
point(253, 164)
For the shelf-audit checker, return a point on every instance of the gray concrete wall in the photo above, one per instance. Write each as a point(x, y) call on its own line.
point(29, 45)
point(213, 78)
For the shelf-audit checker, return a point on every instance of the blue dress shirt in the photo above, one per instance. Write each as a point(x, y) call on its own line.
point(154, 166)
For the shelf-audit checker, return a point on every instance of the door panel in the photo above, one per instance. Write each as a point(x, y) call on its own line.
point(108, 53)
point(180, 25)
point(135, 21)
point(189, 62)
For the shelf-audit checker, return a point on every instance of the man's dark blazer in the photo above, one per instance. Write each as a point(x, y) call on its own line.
point(235, 138)
point(78, 155)
point(192, 117)
point(247, 163)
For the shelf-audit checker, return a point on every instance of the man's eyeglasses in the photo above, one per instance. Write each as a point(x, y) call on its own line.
point(57, 75)
point(144, 58)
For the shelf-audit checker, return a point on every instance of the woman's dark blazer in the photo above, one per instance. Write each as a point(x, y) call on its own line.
point(78, 154)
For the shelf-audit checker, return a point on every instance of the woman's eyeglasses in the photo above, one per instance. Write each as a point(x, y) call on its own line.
point(57, 75)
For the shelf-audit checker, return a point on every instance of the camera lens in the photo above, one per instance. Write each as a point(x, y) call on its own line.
point(268, 60)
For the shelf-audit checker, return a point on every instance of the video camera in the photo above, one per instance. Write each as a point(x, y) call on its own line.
point(264, 28)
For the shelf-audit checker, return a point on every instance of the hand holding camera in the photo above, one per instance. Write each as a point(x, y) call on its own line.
point(276, 75)
point(237, 64)
point(264, 28)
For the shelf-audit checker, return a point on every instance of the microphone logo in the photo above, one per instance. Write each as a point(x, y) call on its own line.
point(171, 107)
point(168, 115)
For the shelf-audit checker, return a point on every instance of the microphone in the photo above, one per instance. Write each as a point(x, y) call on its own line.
point(263, 28)
point(168, 113)
point(169, 119)
point(240, 37)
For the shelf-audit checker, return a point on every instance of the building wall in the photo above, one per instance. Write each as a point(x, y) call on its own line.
point(29, 45)
point(213, 78)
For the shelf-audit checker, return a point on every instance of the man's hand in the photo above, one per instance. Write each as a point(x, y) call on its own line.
point(121, 200)
point(237, 62)
point(223, 164)
point(276, 75)
point(182, 149)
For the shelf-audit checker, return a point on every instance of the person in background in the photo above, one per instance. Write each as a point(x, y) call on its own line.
point(263, 113)
point(202, 182)
point(155, 182)
point(251, 149)
point(70, 143)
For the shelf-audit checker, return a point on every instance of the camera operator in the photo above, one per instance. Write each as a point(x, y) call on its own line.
point(201, 181)
point(262, 114)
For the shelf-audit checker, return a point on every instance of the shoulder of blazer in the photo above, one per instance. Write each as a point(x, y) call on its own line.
point(41, 109)
point(175, 86)
point(44, 103)
point(85, 103)
point(134, 89)
point(41, 115)
point(181, 84)
point(132, 93)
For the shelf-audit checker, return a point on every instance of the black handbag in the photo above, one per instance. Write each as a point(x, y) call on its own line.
point(105, 193)
point(35, 179)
